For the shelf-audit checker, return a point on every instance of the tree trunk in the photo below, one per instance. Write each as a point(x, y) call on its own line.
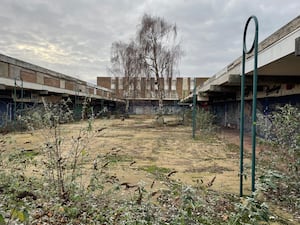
point(127, 107)
point(159, 118)
point(160, 94)
point(160, 102)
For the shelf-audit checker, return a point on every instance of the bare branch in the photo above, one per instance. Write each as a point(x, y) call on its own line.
point(155, 54)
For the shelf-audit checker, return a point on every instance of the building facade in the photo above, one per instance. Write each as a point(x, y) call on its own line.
point(24, 85)
point(142, 92)
point(142, 88)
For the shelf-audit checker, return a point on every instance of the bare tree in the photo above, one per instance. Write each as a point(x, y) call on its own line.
point(127, 61)
point(160, 50)
point(155, 54)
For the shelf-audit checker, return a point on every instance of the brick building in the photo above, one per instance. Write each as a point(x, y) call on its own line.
point(142, 91)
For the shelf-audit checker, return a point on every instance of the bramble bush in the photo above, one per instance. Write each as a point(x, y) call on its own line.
point(279, 162)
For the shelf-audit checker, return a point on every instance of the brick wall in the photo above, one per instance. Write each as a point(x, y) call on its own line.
point(175, 88)
point(117, 86)
point(91, 91)
point(143, 87)
point(69, 85)
point(99, 92)
point(104, 82)
point(28, 76)
point(200, 81)
point(53, 82)
point(3, 69)
point(179, 85)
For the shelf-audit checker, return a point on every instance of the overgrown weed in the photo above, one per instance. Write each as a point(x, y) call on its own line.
point(280, 159)
point(61, 197)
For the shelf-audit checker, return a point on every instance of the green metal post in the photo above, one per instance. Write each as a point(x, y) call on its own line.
point(253, 136)
point(242, 126)
point(194, 108)
point(15, 100)
point(254, 104)
point(22, 96)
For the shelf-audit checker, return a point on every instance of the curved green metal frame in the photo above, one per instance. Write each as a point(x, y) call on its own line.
point(253, 133)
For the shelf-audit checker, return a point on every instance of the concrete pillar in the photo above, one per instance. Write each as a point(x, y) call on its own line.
point(62, 84)
point(173, 88)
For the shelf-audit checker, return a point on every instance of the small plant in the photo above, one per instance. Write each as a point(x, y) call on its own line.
point(153, 169)
point(251, 211)
point(63, 164)
point(205, 120)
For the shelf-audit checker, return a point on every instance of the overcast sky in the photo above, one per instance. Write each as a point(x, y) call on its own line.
point(74, 37)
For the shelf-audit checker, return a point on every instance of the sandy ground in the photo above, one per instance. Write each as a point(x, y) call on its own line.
point(138, 145)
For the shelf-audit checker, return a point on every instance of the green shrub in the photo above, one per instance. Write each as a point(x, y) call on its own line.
point(251, 211)
point(280, 162)
point(205, 120)
point(284, 129)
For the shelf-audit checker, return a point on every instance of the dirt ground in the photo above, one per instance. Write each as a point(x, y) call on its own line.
point(135, 151)
point(143, 151)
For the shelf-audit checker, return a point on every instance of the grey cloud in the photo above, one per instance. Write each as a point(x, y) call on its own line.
point(75, 36)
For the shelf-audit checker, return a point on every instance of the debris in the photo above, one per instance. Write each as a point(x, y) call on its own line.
point(132, 163)
point(105, 165)
point(101, 129)
point(154, 193)
point(171, 173)
point(211, 182)
point(128, 185)
point(152, 184)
